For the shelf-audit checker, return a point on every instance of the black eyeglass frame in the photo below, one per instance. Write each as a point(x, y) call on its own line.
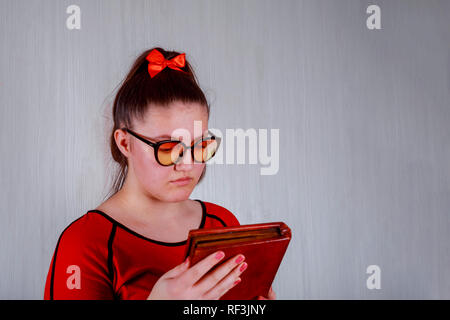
point(156, 145)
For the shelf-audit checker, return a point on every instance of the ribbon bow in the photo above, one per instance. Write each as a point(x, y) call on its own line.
point(157, 62)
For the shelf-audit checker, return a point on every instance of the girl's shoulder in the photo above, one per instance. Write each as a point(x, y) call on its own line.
point(225, 216)
point(90, 229)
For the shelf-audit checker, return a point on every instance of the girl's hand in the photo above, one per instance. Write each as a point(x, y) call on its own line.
point(271, 295)
point(183, 282)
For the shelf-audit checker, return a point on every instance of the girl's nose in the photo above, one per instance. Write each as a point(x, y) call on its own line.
point(185, 158)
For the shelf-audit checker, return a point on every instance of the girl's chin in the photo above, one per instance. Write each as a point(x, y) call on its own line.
point(179, 193)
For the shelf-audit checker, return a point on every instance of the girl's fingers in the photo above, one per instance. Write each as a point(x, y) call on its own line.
point(227, 269)
point(228, 282)
point(193, 274)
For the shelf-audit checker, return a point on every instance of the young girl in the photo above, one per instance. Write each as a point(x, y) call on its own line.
point(132, 245)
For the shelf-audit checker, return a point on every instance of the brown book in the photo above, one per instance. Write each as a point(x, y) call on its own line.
point(263, 246)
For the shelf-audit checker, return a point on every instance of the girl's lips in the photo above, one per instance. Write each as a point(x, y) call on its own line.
point(182, 182)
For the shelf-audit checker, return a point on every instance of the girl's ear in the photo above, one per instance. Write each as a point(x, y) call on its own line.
point(123, 142)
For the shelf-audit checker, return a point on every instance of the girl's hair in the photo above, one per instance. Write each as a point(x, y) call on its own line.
point(139, 92)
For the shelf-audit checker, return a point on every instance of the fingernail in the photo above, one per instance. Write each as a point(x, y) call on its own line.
point(239, 259)
point(186, 262)
point(237, 281)
point(220, 255)
point(243, 267)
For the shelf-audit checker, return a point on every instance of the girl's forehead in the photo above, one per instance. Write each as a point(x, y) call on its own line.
point(165, 123)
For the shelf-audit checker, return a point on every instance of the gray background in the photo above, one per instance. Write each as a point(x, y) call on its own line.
point(363, 115)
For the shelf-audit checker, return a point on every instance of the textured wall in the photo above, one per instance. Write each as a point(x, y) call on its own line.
point(363, 118)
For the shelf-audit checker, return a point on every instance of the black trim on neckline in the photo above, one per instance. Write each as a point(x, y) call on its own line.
point(169, 244)
point(217, 218)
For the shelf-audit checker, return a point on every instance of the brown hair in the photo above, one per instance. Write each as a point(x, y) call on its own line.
point(138, 92)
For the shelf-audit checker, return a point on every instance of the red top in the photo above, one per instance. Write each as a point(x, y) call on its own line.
point(97, 257)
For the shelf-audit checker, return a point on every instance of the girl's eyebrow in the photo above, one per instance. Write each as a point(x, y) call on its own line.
point(161, 136)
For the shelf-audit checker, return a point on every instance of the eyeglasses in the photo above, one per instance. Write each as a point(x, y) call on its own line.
point(170, 152)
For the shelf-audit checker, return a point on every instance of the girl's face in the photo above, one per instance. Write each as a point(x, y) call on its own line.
point(175, 122)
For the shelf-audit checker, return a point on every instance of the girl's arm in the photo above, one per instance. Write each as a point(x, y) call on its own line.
point(79, 269)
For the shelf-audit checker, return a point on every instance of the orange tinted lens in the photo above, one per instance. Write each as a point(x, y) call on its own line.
point(205, 150)
point(169, 152)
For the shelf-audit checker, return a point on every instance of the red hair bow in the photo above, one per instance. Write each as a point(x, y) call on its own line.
point(157, 62)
